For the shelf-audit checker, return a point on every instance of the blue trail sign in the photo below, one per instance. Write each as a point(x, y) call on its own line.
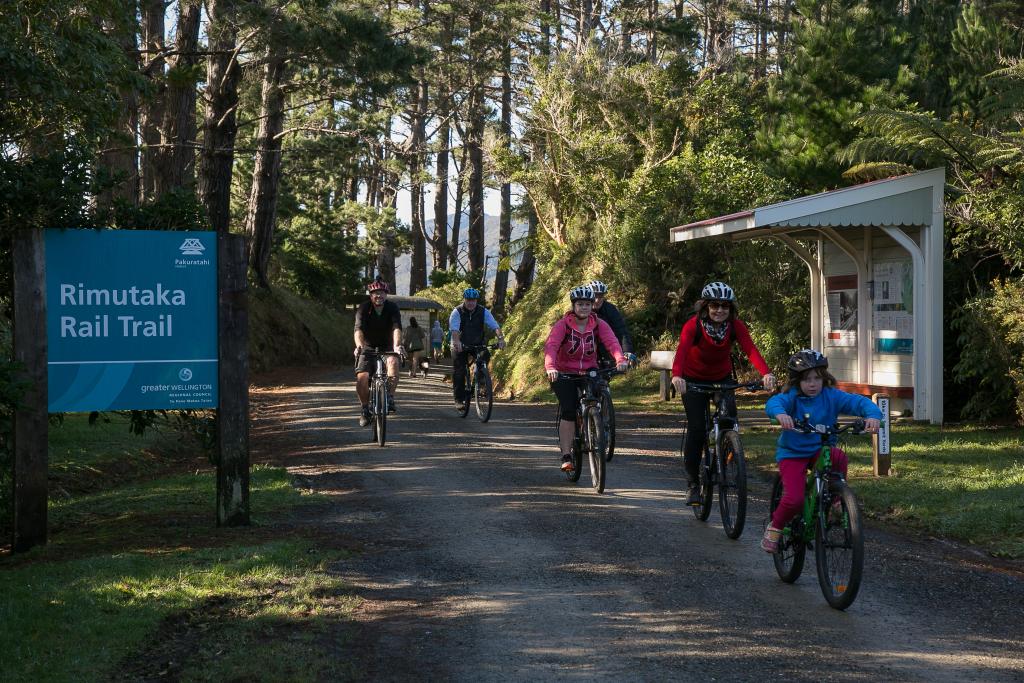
point(131, 319)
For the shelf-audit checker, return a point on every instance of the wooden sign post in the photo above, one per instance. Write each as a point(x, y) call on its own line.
point(233, 376)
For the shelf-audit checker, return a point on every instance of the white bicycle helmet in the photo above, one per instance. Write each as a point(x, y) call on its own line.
point(599, 287)
point(581, 293)
point(717, 291)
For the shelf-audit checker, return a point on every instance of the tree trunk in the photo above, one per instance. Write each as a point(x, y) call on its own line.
point(527, 265)
point(217, 157)
point(440, 242)
point(460, 185)
point(476, 188)
point(118, 159)
point(178, 131)
point(387, 197)
point(545, 27)
point(652, 33)
point(505, 226)
point(151, 113)
point(418, 270)
point(266, 174)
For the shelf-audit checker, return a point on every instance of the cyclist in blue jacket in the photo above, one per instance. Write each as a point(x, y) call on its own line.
point(810, 392)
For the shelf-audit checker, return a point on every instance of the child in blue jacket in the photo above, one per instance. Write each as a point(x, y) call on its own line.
point(810, 391)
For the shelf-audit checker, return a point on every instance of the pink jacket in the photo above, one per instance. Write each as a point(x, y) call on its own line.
point(571, 351)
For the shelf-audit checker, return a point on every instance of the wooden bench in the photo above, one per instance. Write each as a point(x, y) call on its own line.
point(662, 361)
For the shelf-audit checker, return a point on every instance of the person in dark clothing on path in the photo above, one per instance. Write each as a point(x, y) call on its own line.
point(467, 323)
point(378, 325)
point(414, 338)
point(608, 312)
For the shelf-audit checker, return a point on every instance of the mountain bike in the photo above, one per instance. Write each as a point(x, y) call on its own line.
point(379, 394)
point(590, 438)
point(830, 523)
point(478, 381)
point(722, 463)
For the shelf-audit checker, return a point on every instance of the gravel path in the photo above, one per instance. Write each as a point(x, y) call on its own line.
point(478, 561)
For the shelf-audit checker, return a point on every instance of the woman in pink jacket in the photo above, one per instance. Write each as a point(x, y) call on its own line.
point(571, 348)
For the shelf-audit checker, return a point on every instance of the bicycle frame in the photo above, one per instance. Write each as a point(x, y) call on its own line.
point(481, 357)
point(817, 496)
point(717, 393)
point(379, 374)
point(595, 381)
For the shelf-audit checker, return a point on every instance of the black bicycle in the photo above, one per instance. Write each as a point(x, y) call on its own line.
point(608, 412)
point(379, 394)
point(829, 522)
point(722, 464)
point(478, 381)
point(590, 439)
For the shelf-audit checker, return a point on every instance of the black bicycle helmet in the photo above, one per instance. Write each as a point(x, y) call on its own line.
point(803, 360)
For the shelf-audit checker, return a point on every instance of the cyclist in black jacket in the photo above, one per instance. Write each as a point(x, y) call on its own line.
point(607, 312)
point(378, 324)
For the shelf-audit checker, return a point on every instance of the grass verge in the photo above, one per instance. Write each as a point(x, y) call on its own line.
point(137, 582)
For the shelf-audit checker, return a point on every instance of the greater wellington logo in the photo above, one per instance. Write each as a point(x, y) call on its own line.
point(185, 374)
point(192, 247)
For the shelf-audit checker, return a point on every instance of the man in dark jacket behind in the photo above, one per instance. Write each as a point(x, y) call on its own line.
point(608, 312)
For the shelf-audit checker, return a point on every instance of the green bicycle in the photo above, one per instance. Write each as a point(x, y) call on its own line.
point(830, 523)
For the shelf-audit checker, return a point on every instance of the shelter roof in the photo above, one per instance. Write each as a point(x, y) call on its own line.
point(901, 201)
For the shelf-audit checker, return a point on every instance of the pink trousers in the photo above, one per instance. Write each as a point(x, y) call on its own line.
point(793, 472)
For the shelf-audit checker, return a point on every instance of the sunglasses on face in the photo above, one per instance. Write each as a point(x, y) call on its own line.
point(715, 306)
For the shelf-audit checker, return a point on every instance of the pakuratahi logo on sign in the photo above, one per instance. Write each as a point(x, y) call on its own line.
point(192, 247)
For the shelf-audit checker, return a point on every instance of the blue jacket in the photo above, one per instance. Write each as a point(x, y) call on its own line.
point(825, 408)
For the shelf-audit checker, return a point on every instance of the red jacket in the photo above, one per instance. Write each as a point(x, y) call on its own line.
point(709, 360)
point(569, 350)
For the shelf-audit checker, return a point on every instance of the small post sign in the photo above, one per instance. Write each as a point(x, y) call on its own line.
point(881, 457)
point(131, 318)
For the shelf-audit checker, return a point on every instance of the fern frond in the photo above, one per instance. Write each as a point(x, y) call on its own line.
point(878, 170)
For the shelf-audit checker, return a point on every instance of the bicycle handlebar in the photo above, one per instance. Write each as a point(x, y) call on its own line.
point(373, 350)
point(477, 347)
point(711, 387)
point(600, 372)
point(855, 427)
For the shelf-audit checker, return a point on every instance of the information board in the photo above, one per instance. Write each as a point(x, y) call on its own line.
point(131, 319)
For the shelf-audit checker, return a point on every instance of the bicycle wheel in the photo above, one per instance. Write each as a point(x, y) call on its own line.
point(484, 395)
point(595, 447)
point(608, 417)
point(707, 486)
point(732, 484)
point(789, 560)
point(380, 418)
point(839, 547)
point(577, 454)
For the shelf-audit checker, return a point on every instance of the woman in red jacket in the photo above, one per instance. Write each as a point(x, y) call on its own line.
point(704, 355)
point(571, 348)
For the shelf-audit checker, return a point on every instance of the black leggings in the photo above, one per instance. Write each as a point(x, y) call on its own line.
point(568, 396)
point(696, 405)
